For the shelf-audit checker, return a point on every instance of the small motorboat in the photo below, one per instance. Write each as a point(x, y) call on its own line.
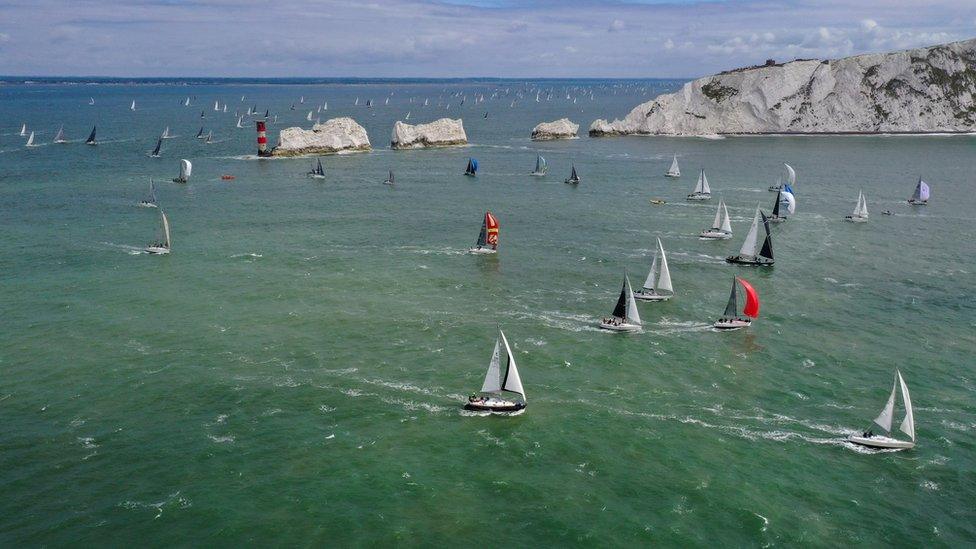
point(886, 212)
point(657, 201)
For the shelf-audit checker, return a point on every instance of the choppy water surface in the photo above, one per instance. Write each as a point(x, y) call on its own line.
point(293, 372)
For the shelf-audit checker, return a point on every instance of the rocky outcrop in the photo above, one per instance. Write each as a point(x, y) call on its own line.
point(915, 91)
point(332, 136)
point(560, 129)
point(439, 133)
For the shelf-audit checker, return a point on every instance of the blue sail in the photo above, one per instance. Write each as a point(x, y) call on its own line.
point(474, 165)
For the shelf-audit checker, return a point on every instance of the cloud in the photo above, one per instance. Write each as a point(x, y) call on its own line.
point(616, 26)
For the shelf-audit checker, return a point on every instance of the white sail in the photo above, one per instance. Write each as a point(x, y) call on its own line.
point(790, 201)
point(664, 279)
point(23, 130)
point(884, 418)
point(132, 107)
point(632, 315)
point(749, 246)
point(216, 105)
point(30, 140)
point(704, 184)
point(718, 215)
point(186, 168)
point(512, 381)
point(59, 138)
point(908, 424)
point(493, 382)
point(165, 229)
point(698, 185)
point(790, 174)
point(864, 206)
point(651, 275)
point(674, 171)
point(726, 222)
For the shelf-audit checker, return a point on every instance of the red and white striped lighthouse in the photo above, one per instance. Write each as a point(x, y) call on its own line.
point(262, 139)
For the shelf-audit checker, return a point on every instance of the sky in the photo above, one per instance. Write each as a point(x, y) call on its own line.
point(456, 38)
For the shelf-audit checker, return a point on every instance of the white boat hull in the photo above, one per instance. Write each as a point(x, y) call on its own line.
point(651, 297)
point(856, 219)
point(145, 204)
point(714, 235)
point(699, 196)
point(672, 175)
point(157, 250)
point(538, 174)
point(316, 176)
point(878, 441)
point(775, 219)
point(731, 324)
point(625, 327)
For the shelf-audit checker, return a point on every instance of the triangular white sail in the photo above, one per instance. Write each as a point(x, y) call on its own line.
point(718, 215)
point(749, 246)
point(649, 282)
point(704, 184)
point(884, 418)
point(132, 107)
point(908, 424)
point(726, 222)
point(632, 315)
point(493, 382)
point(30, 140)
point(186, 168)
point(59, 138)
point(165, 229)
point(674, 170)
point(23, 130)
point(512, 382)
point(698, 185)
point(790, 174)
point(790, 201)
point(664, 279)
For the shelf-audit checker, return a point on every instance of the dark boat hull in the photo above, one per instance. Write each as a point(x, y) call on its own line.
point(482, 408)
point(751, 261)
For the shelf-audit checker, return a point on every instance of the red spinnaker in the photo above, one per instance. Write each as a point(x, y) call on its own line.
point(752, 300)
point(492, 224)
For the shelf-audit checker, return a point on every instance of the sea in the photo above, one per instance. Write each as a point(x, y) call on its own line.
point(293, 373)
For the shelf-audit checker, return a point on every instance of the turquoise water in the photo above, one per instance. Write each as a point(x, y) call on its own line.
point(293, 372)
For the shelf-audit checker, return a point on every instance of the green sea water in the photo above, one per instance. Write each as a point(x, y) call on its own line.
point(293, 373)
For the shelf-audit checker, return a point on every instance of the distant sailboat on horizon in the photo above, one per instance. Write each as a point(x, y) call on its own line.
point(91, 137)
point(30, 140)
point(59, 137)
point(23, 130)
point(155, 151)
point(317, 171)
point(472, 169)
point(150, 201)
point(391, 180)
point(574, 177)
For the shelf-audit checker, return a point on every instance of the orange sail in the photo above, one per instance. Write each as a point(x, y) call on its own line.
point(752, 300)
point(491, 224)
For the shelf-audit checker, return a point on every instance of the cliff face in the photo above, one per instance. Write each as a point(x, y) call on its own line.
point(923, 90)
point(439, 133)
point(332, 136)
point(560, 129)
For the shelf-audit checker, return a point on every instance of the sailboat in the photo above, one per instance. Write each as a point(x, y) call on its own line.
point(203, 114)
point(790, 179)
point(267, 113)
point(209, 138)
point(216, 105)
point(702, 190)
point(186, 102)
point(574, 178)
point(59, 137)
point(317, 172)
point(884, 420)
point(155, 151)
point(625, 317)
point(166, 134)
point(921, 195)
point(30, 140)
point(240, 121)
point(23, 130)
point(541, 166)
point(674, 170)
point(200, 133)
point(91, 137)
point(309, 116)
point(860, 214)
point(225, 108)
point(91, 100)
point(408, 116)
point(721, 227)
point(657, 286)
point(731, 319)
point(150, 201)
point(499, 379)
point(780, 212)
point(132, 107)
point(162, 245)
point(488, 237)
point(391, 180)
point(472, 169)
point(186, 168)
point(747, 254)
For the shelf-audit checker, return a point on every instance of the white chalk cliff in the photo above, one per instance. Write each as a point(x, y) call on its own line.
point(922, 90)
point(439, 133)
point(559, 129)
point(332, 136)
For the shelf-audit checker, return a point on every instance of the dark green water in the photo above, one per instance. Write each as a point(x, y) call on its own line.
point(292, 373)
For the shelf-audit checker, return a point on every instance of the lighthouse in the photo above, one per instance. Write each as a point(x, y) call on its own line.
point(262, 139)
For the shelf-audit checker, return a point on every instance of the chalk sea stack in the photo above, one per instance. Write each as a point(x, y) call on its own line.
point(439, 133)
point(332, 136)
point(924, 90)
point(559, 129)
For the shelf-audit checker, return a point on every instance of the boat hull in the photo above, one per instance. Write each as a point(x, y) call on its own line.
point(157, 250)
point(776, 219)
point(641, 296)
point(494, 406)
point(856, 219)
point(919, 202)
point(732, 324)
point(538, 174)
point(145, 204)
point(620, 327)
point(315, 176)
point(775, 189)
point(571, 182)
point(699, 197)
point(482, 251)
point(673, 175)
point(179, 180)
point(881, 442)
point(751, 261)
point(714, 235)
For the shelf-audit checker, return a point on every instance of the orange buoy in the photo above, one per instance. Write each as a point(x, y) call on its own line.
point(227, 177)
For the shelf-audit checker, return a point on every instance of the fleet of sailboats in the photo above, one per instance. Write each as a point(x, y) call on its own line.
point(674, 170)
point(701, 191)
point(731, 319)
point(657, 286)
point(860, 213)
point(747, 254)
point(885, 419)
point(721, 228)
point(625, 317)
point(500, 379)
point(488, 237)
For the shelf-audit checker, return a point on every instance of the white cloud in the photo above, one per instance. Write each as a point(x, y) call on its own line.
point(616, 25)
